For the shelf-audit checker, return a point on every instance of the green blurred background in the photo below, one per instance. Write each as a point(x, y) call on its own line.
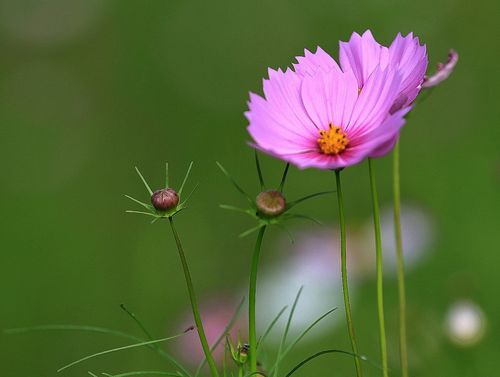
point(89, 89)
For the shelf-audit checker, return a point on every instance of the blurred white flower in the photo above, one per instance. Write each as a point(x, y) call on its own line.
point(465, 323)
point(313, 262)
point(418, 234)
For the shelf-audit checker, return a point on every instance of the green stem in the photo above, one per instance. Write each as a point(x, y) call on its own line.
point(252, 333)
point(194, 303)
point(403, 352)
point(345, 286)
point(380, 283)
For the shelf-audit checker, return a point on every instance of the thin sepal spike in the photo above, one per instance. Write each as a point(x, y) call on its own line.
point(300, 216)
point(147, 206)
point(259, 171)
point(166, 175)
point(144, 181)
point(92, 374)
point(250, 231)
point(141, 213)
point(232, 208)
point(185, 178)
point(283, 178)
point(238, 187)
point(289, 234)
point(189, 195)
point(297, 201)
point(155, 220)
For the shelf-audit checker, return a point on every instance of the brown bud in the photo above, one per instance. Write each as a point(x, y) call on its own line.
point(165, 199)
point(271, 203)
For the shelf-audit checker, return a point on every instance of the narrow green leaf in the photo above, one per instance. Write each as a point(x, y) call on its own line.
point(271, 326)
point(118, 349)
point(144, 181)
point(285, 333)
point(144, 372)
point(304, 333)
point(185, 178)
point(317, 354)
point(102, 330)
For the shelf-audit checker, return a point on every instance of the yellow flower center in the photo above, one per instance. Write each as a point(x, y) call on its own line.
point(333, 140)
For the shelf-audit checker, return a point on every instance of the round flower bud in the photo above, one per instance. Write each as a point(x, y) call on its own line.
point(165, 199)
point(270, 203)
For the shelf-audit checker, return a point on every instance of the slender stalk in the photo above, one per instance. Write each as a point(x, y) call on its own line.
point(194, 303)
point(252, 333)
point(380, 283)
point(403, 352)
point(345, 286)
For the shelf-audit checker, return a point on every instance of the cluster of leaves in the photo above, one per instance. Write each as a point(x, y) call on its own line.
point(229, 369)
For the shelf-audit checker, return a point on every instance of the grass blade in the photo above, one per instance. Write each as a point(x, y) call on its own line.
point(271, 326)
point(317, 354)
point(285, 333)
point(135, 345)
point(299, 338)
point(144, 372)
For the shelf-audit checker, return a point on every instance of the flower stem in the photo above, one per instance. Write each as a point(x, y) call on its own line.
point(345, 287)
point(380, 283)
point(252, 333)
point(194, 303)
point(403, 352)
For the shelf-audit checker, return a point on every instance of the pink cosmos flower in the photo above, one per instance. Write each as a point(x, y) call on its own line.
point(329, 117)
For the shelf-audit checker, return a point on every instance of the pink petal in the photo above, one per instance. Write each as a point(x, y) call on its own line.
point(362, 54)
point(410, 58)
point(374, 101)
point(329, 97)
point(267, 131)
point(380, 140)
point(310, 63)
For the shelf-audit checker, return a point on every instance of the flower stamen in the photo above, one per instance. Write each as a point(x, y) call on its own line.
point(332, 141)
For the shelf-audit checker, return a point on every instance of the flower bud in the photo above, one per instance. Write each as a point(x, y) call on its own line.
point(270, 203)
point(165, 199)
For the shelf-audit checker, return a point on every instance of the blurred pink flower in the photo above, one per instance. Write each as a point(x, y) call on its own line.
point(443, 71)
point(323, 116)
point(216, 314)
